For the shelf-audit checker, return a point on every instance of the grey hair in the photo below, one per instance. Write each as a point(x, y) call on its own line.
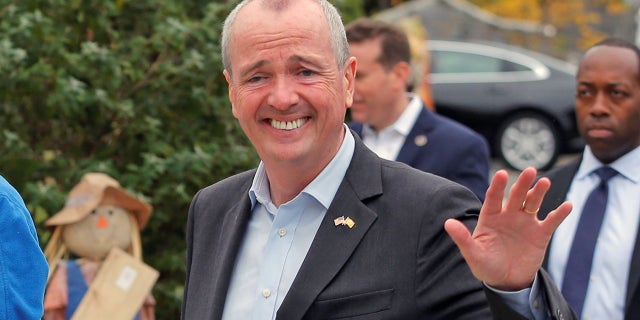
point(336, 28)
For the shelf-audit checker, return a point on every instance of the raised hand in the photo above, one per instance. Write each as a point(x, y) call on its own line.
point(508, 245)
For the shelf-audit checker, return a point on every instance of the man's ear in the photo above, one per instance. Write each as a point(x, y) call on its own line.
point(402, 73)
point(231, 91)
point(350, 80)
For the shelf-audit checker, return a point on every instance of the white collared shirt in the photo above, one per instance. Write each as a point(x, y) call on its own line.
point(607, 289)
point(278, 239)
point(388, 142)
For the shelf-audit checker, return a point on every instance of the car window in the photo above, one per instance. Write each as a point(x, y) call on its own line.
point(462, 62)
point(512, 66)
point(459, 62)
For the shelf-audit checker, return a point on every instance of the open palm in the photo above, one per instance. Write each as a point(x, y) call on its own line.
point(508, 245)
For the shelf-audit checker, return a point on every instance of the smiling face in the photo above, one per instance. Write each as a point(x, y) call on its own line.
point(286, 88)
point(608, 101)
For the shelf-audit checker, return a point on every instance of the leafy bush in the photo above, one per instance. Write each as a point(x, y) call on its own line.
point(130, 88)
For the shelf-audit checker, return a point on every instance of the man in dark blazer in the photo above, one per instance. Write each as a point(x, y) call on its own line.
point(324, 228)
point(396, 124)
point(608, 118)
point(397, 262)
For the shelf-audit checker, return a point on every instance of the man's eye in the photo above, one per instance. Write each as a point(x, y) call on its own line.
point(255, 79)
point(618, 93)
point(583, 92)
point(306, 73)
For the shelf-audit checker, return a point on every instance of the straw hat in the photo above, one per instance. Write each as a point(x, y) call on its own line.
point(93, 190)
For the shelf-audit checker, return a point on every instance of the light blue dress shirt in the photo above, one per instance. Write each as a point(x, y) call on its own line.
point(278, 239)
point(607, 289)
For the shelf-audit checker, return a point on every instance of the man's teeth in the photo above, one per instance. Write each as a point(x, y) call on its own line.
point(288, 125)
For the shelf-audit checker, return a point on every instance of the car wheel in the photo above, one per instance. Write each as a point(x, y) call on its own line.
point(528, 140)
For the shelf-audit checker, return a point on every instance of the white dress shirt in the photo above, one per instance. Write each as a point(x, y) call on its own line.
point(278, 239)
point(607, 289)
point(388, 142)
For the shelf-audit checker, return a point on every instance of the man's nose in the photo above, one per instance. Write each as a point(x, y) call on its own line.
point(601, 104)
point(283, 95)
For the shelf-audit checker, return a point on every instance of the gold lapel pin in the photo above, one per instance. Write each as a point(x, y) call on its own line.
point(349, 222)
point(344, 221)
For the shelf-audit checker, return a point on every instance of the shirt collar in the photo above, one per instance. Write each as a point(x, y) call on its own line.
point(627, 165)
point(408, 118)
point(323, 188)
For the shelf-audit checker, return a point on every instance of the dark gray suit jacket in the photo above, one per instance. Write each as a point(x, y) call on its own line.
point(561, 179)
point(396, 263)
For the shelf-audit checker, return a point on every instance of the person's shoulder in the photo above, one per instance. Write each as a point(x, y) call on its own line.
point(415, 190)
point(455, 130)
point(9, 195)
point(412, 178)
point(455, 127)
point(224, 193)
point(567, 170)
point(231, 183)
point(356, 126)
point(6, 189)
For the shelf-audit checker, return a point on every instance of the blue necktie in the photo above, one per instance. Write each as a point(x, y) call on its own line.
point(578, 270)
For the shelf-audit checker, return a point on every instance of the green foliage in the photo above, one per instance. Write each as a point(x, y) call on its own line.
point(130, 88)
point(349, 9)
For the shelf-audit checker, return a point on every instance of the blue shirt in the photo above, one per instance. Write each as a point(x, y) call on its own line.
point(607, 289)
point(278, 239)
point(23, 267)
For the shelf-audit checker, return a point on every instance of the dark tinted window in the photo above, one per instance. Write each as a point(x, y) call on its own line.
point(461, 62)
point(511, 66)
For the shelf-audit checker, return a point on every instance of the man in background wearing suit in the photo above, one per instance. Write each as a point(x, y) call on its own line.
point(608, 117)
point(396, 124)
point(324, 228)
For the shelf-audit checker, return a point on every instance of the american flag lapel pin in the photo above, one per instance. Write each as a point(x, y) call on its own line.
point(344, 221)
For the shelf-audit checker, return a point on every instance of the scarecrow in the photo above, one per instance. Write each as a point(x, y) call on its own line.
point(99, 215)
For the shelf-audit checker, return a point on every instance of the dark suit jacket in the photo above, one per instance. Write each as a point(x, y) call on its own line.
point(561, 179)
point(452, 151)
point(396, 263)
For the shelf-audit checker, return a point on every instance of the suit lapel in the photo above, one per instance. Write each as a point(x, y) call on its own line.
point(561, 179)
point(417, 138)
point(333, 245)
point(231, 237)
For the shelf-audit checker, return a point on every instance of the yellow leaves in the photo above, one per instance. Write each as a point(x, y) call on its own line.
point(585, 16)
point(616, 7)
point(515, 9)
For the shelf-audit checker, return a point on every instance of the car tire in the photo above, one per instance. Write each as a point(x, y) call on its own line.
point(528, 140)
